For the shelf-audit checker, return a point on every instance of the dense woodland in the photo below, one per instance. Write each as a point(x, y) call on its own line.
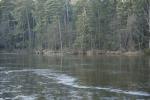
point(75, 24)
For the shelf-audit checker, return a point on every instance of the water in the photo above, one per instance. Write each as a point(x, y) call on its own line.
point(32, 77)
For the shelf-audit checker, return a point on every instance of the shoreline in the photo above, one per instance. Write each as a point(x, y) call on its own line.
point(89, 52)
point(48, 52)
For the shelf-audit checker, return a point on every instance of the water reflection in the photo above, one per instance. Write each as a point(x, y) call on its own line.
point(31, 77)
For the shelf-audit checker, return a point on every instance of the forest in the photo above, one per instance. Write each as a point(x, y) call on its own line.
point(75, 24)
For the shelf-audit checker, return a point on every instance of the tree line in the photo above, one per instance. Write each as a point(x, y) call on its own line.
point(75, 24)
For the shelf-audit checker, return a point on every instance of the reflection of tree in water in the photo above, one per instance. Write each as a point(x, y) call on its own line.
point(118, 72)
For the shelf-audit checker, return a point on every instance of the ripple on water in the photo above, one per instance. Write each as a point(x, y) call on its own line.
point(1, 68)
point(22, 97)
point(71, 81)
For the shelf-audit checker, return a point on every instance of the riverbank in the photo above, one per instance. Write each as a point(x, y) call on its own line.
point(17, 51)
point(88, 52)
point(48, 52)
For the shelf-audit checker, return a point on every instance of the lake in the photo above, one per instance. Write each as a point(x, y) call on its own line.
point(37, 77)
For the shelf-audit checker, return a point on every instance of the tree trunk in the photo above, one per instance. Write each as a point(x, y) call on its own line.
point(149, 24)
point(29, 29)
point(60, 35)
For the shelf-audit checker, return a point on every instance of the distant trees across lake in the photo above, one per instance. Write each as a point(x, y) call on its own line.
point(75, 24)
